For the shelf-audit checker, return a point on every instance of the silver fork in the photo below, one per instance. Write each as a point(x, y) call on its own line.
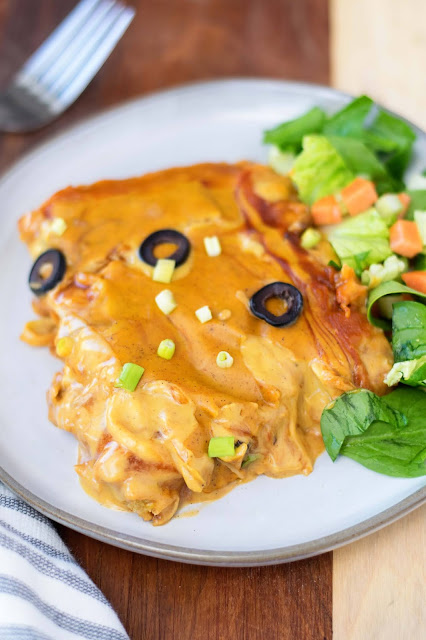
point(62, 67)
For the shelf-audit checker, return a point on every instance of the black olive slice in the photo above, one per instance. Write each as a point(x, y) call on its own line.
point(165, 236)
point(286, 292)
point(42, 278)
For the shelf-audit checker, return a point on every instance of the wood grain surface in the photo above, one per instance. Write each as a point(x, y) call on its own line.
point(170, 42)
point(379, 584)
point(378, 47)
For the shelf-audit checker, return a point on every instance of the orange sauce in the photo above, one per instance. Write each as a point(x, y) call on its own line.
point(146, 451)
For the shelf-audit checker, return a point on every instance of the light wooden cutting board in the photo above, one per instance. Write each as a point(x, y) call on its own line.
point(378, 47)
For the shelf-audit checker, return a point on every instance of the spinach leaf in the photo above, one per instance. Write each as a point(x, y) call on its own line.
point(386, 289)
point(289, 135)
point(351, 414)
point(408, 330)
point(418, 202)
point(411, 372)
point(349, 121)
point(398, 452)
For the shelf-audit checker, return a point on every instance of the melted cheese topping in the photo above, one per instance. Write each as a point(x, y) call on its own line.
point(146, 451)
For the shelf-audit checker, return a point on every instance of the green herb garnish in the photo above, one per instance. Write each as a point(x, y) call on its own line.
point(129, 376)
point(221, 447)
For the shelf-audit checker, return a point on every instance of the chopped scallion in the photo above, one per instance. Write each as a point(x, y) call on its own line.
point(224, 360)
point(64, 346)
point(58, 226)
point(165, 301)
point(166, 349)
point(389, 206)
point(163, 270)
point(310, 238)
point(129, 376)
point(221, 447)
point(204, 314)
point(420, 220)
point(212, 245)
point(250, 458)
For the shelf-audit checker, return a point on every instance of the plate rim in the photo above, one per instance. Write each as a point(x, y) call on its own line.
point(186, 554)
point(189, 555)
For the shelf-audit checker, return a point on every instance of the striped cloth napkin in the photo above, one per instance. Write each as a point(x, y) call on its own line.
point(44, 593)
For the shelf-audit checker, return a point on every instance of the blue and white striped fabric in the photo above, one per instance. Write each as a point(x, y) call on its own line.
point(44, 593)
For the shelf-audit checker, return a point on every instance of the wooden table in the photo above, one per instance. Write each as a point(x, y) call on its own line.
point(170, 42)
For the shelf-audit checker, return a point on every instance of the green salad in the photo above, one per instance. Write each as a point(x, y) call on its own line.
point(349, 168)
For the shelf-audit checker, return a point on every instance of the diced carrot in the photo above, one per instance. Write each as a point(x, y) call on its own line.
point(359, 195)
point(405, 238)
point(405, 201)
point(416, 280)
point(326, 211)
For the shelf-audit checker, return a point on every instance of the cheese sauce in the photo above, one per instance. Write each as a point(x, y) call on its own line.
point(146, 451)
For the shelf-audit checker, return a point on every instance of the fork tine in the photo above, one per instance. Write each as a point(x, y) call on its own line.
point(47, 53)
point(68, 55)
point(72, 65)
point(96, 58)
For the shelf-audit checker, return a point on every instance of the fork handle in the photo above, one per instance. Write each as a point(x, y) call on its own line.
point(17, 105)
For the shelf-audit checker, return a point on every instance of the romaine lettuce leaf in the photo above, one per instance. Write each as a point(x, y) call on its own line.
point(418, 202)
point(394, 137)
point(411, 372)
point(349, 121)
point(369, 141)
point(364, 235)
point(281, 161)
point(361, 161)
point(288, 136)
point(319, 170)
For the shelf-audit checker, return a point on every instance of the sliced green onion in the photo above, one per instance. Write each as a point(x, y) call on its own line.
point(221, 447)
point(310, 238)
point(129, 376)
point(212, 245)
point(281, 161)
point(417, 182)
point(204, 314)
point(389, 206)
point(420, 220)
point(58, 226)
point(166, 349)
point(163, 270)
point(165, 301)
point(224, 360)
point(250, 458)
point(64, 346)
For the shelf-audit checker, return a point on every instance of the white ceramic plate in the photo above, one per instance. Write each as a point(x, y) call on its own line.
point(263, 522)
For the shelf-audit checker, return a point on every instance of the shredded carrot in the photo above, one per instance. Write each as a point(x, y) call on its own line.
point(326, 211)
point(405, 200)
point(405, 238)
point(359, 195)
point(416, 280)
